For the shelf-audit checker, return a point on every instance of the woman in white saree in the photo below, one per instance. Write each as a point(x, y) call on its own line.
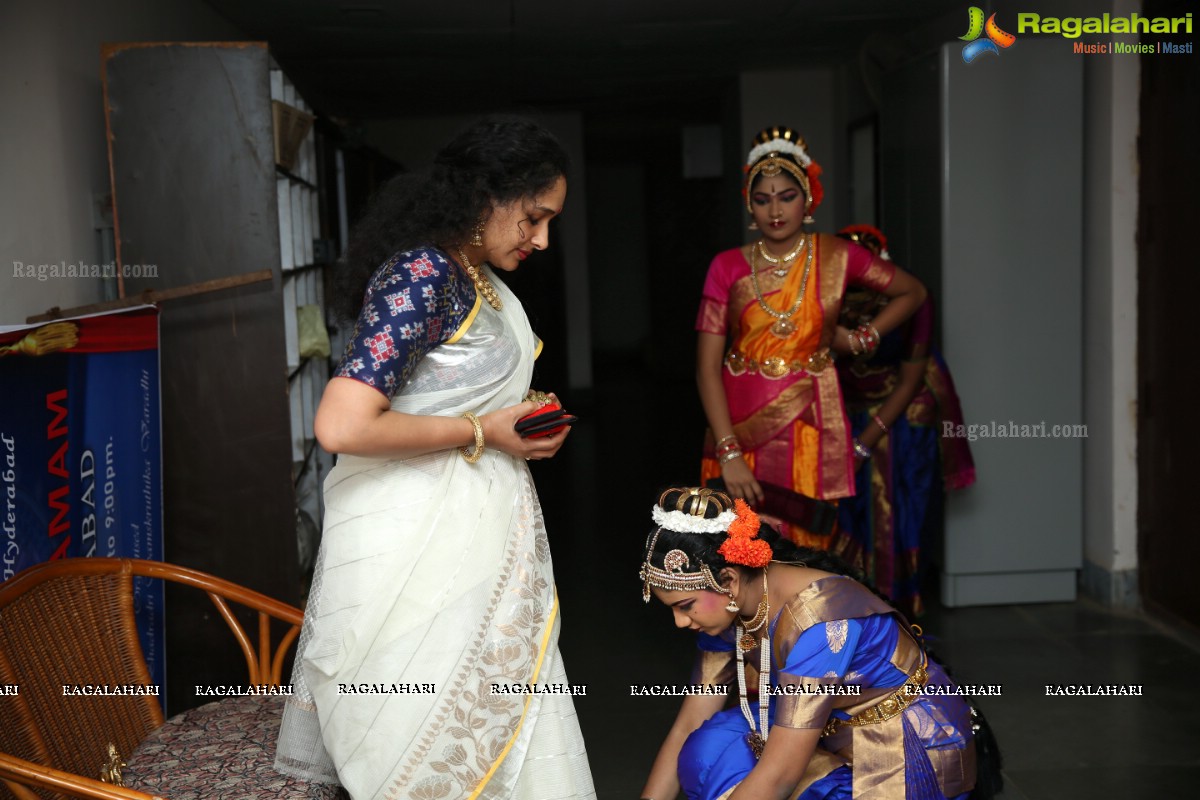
point(428, 666)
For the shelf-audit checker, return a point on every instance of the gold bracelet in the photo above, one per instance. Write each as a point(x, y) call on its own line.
point(476, 426)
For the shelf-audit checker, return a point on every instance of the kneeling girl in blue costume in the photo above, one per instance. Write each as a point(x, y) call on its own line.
point(837, 698)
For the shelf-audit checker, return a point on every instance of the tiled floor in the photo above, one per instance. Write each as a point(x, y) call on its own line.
point(1081, 747)
point(597, 496)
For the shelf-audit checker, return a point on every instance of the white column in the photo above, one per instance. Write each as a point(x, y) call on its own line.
point(1110, 325)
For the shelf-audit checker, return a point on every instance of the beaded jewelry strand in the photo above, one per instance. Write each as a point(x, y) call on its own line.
point(757, 737)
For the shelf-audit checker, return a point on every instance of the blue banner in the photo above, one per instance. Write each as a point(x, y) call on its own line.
point(81, 451)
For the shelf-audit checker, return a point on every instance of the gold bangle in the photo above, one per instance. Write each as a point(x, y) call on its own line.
point(477, 427)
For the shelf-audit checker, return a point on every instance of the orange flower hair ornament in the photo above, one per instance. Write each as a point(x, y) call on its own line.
point(869, 237)
point(743, 545)
point(814, 182)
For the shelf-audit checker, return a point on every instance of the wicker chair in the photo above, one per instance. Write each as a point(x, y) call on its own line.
point(71, 622)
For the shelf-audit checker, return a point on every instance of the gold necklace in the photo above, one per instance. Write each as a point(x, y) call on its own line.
point(760, 618)
point(482, 284)
point(783, 327)
point(784, 260)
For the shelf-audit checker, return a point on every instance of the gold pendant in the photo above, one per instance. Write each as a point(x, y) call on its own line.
point(756, 742)
point(783, 328)
point(748, 642)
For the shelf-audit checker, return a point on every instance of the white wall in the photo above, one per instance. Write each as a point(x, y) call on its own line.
point(1105, 358)
point(53, 157)
point(1012, 278)
point(1110, 322)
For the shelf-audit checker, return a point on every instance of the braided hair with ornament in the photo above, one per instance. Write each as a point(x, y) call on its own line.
point(702, 531)
point(860, 305)
point(869, 237)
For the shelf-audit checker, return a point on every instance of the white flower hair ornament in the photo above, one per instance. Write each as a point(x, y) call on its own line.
point(682, 522)
point(779, 145)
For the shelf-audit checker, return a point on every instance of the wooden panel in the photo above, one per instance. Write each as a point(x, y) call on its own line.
point(194, 185)
point(1168, 285)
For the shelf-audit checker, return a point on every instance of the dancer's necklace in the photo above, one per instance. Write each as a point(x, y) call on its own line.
point(760, 619)
point(783, 264)
point(783, 327)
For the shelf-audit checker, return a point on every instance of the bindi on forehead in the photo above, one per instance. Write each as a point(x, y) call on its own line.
point(776, 192)
point(777, 184)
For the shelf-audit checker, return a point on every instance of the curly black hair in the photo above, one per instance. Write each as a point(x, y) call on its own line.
point(498, 159)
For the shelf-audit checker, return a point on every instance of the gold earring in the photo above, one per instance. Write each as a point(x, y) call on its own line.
point(753, 225)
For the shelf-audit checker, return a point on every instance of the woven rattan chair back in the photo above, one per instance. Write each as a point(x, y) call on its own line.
point(70, 623)
point(72, 630)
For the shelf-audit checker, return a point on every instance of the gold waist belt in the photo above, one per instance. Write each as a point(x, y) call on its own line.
point(888, 707)
point(776, 367)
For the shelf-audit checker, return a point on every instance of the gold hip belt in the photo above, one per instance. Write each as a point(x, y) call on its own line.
point(888, 707)
point(776, 367)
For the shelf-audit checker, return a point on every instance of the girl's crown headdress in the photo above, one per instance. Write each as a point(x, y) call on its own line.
point(780, 149)
point(701, 511)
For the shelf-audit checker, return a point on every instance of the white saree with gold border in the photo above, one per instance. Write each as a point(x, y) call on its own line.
point(433, 584)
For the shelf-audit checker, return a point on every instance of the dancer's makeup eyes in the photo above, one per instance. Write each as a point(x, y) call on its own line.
point(784, 197)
